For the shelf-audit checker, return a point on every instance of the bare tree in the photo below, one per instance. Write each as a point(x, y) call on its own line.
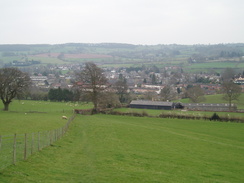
point(109, 100)
point(93, 82)
point(196, 94)
point(231, 92)
point(149, 95)
point(175, 78)
point(121, 88)
point(167, 93)
point(228, 74)
point(13, 83)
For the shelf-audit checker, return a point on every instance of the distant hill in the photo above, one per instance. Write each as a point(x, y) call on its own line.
point(190, 57)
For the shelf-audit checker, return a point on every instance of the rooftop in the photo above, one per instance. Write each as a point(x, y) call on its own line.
point(149, 102)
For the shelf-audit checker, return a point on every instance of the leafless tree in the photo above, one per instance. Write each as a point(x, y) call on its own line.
point(109, 100)
point(196, 94)
point(175, 78)
point(93, 82)
point(13, 83)
point(149, 95)
point(121, 88)
point(231, 92)
point(228, 74)
point(167, 93)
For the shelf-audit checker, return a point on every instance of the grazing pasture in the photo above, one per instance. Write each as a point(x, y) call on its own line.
point(27, 116)
point(32, 125)
point(12, 122)
point(55, 55)
point(46, 60)
point(44, 106)
point(106, 148)
point(214, 65)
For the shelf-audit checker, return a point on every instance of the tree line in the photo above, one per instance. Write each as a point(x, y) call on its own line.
point(60, 95)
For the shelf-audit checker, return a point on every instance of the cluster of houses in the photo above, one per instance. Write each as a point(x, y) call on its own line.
point(51, 81)
point(139, 82)
point(135, 82)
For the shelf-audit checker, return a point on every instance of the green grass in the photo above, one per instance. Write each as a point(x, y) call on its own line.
point(45, 106)
point(47, 60)
point(241, 64)
point(29, 116)
point(213, 65)
point(104, 148)
point(7, 60)
point(31, 122)
point(44, 60)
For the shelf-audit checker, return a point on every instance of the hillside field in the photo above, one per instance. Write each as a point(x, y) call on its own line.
point(27, 116)
point(106, 148)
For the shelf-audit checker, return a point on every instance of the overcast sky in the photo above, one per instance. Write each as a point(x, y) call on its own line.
point(121, 21)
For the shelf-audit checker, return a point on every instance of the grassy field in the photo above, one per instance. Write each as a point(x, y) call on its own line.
point(44, 106)
point(12, 122)
point(215, 65)
point(47, 60)
point(105, 148)
point(32, 116)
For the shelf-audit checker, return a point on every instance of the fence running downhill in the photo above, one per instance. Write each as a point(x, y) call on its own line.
point(18, 147)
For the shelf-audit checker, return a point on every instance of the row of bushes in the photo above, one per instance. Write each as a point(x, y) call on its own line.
point(136, 114)
point(214, 117)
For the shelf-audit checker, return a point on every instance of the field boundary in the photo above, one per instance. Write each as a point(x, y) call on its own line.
point(18, 147)
point(178, 116)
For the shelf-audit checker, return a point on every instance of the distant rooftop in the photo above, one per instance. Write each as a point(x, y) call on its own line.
point(206, 105)
point(149, 102)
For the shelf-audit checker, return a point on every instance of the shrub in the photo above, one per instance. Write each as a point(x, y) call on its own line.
point(215, 117)
point(144, 113)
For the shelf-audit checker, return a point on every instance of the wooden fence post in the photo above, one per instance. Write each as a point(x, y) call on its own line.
point(32, 142)
point(58, 133)
point(62, 131)
point(38, 141)
point(14, 150)
point(0, 142)
point(50, 137)
point(47, 138)
point(55, 135)
point(25, 149)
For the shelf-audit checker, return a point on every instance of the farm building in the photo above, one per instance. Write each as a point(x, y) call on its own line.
point(209, 107)
point(147, 104)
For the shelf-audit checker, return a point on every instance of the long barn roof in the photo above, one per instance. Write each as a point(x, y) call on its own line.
point(149, 102)
point(206, 105)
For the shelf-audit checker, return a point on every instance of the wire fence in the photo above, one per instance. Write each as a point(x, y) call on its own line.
point(18, 147)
